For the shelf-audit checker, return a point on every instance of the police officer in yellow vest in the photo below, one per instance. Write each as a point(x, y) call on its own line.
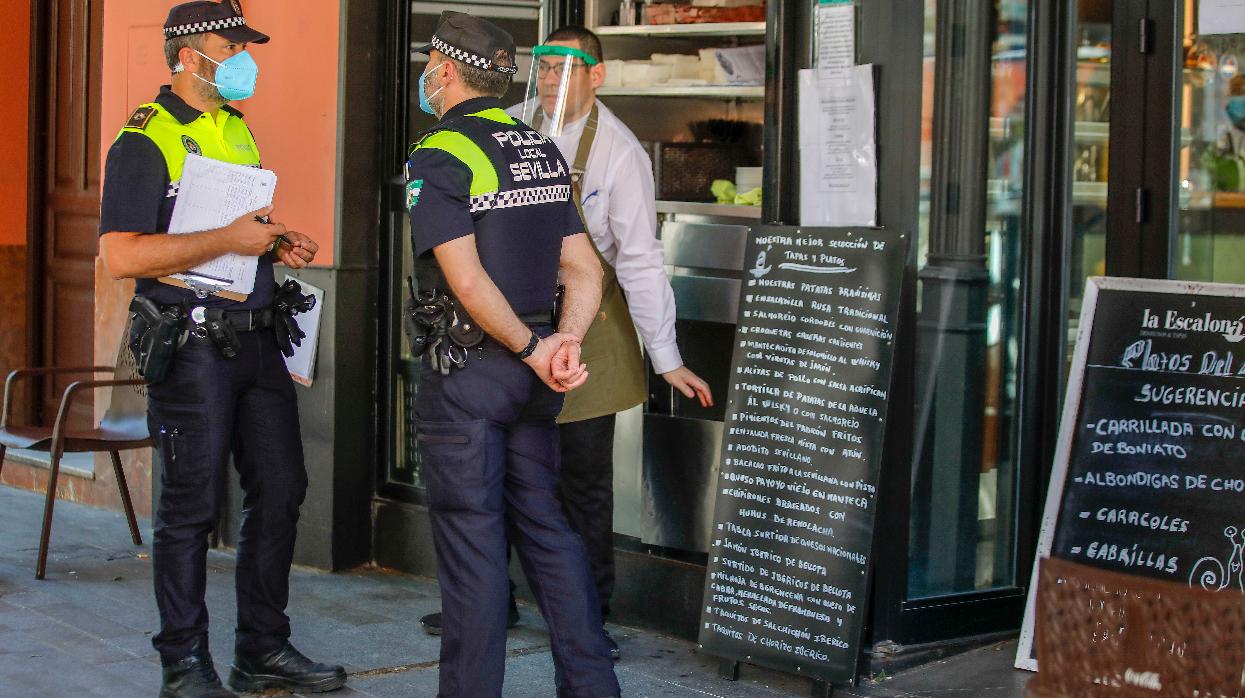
point(226, 389)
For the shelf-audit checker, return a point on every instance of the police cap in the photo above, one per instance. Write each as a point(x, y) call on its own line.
point(224, 18)
point(474, 41)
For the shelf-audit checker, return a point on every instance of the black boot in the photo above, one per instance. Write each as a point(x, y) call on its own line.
point(193, 676)
point(432, 622)
point(285, 668)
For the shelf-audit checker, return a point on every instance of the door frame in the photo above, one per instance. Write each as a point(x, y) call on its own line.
point(37, 170)
point(1051, 80)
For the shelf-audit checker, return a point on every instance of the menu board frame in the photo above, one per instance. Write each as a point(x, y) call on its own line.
point(827, 570)
point(1070, 418)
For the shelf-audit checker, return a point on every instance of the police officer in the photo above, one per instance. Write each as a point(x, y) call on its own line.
point(493, 224)
point(614, 183)
point(227, 391)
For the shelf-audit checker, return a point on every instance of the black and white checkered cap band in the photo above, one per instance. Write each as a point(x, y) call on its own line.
point(529, 196)
point(470, 58)
point(201, 27)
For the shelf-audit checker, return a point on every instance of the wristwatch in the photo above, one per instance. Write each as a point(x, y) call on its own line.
point(530, 348)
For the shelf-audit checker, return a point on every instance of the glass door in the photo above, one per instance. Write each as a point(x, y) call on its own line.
point(1208, 126)
point(971, 232)
point(1087, 246)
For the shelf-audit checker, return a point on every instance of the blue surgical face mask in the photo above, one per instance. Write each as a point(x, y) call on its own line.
point(235, 76)
point(425, 100)
point(1236, 111)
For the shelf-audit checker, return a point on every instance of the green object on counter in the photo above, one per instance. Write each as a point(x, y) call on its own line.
point(751, 198)
point(723, 190)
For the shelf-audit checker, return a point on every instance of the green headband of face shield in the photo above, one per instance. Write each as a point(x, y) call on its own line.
point(548, 50)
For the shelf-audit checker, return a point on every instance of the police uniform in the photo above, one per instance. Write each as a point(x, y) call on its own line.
point(486, 431)
point(209, 407)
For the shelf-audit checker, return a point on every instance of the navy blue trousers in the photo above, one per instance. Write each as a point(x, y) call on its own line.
point(489, 448)
point(205, 409)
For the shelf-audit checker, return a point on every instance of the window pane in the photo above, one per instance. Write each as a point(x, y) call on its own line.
point(962, 531)
point(1091, 115)
point(1208, 225)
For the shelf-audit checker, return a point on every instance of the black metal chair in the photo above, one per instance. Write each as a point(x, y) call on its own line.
point(124, 427)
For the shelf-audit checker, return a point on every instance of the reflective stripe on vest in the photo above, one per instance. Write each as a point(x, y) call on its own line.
point(485, 183)
point(227, 139)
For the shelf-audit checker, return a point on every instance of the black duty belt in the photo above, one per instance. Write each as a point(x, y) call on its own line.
point(240, 320)
point(541, 318)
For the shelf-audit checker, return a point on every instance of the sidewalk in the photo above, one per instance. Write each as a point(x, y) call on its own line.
point(86, 629)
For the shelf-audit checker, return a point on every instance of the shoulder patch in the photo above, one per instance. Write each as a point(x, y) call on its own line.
point(413, 189)
point(141, 117)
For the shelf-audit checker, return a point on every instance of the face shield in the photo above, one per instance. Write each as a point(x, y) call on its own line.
point(549, 86)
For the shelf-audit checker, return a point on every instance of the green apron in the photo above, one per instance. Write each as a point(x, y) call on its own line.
point(611, 348)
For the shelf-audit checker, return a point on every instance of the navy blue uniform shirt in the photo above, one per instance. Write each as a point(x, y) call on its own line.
point(138, 198)
point(519, 229)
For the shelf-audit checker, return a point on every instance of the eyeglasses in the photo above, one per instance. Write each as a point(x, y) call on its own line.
point(543, 68)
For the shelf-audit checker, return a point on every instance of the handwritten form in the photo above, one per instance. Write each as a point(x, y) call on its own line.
point(214, 194)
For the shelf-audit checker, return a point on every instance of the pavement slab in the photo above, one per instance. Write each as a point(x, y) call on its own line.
point(86, 630)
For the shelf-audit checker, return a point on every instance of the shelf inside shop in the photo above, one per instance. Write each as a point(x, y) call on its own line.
point(696, 208)
point(703, 91)
point(680, 30)
point(1005, 196)
point(1003, 128)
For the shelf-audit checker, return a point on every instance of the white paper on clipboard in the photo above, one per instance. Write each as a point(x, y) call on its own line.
point(212, 194)
point(302, 365)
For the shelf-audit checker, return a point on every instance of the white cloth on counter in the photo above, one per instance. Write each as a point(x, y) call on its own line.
point(620, 209)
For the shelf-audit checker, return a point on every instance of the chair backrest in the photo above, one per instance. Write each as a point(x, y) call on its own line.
point(128, 403)
point(1102, 633)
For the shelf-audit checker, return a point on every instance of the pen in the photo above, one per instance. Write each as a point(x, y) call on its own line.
point(280, 238)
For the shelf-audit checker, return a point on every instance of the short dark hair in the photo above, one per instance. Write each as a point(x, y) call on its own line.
point(589, 42)
point(174, 46)
point(486, 82)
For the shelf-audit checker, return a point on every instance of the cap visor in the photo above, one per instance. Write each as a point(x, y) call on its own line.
point(426, 48)
point(244, 35)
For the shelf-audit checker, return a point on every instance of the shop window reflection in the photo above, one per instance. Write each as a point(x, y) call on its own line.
point(969, 271)
point(1208, 225)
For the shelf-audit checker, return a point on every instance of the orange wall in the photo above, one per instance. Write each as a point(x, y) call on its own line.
point(293, 113)
point(15, 59)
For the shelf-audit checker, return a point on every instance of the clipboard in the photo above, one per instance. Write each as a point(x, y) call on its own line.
point(204, 288)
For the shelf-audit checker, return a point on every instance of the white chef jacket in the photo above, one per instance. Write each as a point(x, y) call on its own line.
point(620, 209)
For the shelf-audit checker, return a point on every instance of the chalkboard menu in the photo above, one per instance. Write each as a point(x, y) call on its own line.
point(1148, 477)
point(793, 525)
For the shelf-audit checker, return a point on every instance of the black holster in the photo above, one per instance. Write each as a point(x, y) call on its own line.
point(224, 337)
point(435, 325)
point(154, 337)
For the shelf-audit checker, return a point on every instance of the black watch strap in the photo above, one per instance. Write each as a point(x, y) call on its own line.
point(530, 348)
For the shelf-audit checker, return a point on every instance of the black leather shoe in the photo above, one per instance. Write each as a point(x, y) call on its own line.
point(285, 668)
point(615, 653)
point(432, 622)
point(193, 677)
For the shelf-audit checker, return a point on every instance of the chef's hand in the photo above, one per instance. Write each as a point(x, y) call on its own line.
point(690, 385)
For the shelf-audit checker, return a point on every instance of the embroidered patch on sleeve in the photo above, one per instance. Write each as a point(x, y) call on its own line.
point(413, 188)
point(140, 117)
